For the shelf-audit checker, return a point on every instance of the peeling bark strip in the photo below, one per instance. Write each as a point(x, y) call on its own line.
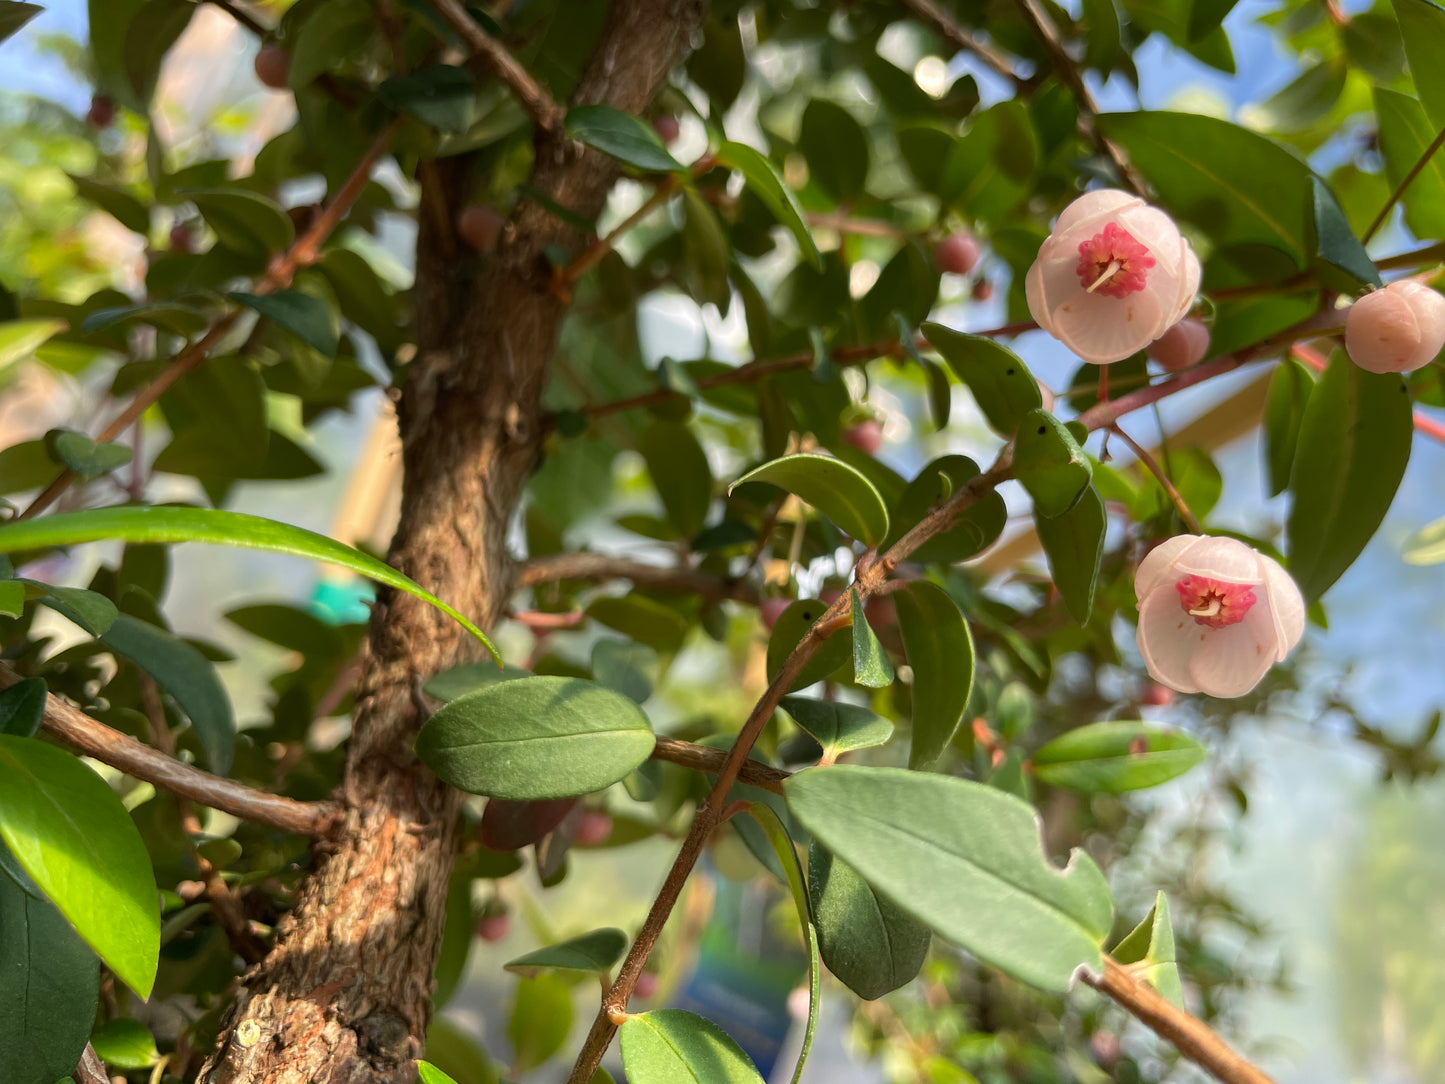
point(345, 995)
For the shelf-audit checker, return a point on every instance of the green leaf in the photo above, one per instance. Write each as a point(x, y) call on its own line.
point(1150, 947)
point(13, 16)
point(1341, 258)
point(990, 170)
point(20, 338)
point(594, 951)
point(1101, 30)
point(1073, 541)
point(1001, 383)
point(537, 737)
point(1422, 26)
point(839, 727)
point(831, 486)
point(836, 148)
point(620, 135)
point(1427, 545)
point(68, 830)
point(905, 291)
point(1110, 758)
point(1208, 173)
point(868, 944)
point(705, 258)
point(764, 181)
point(51, 982)
point(189, 677)
point(793, 624)
point(116, 202)
point(871, 666)
point(1354, 442)
point(1405, 134)
point(541, 1018)
point(627, 666)
point(457, 1054)
point(168, 523)
point(1289, 394)
point(443, 96)
point(672, 1046)
point(185, 320)
point(940, 654)
point(156, 27)
point(308, 318)
point(966, 860)
point(125, 1044)
point(450, 684)
point(12, 598)
point(977, 527)
point(679, 469)
point(642, 618)
point(248, 223)
point(428, 1073)
point(1049, 463)
point(1206, 16)
point(22, 708)
point(90, 610)
point(84, 456)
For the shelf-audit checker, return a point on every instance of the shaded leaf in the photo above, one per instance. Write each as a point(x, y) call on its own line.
point(1289, 393)
point(1422, 27)
point(831, 486)
point(977, 526)
point(836, 148)
point(679, 469)
point(792, 624)
point(1343, 261)
point(1049, 463)
point(629, 139)
point(116, 202)
point(767, 184)
point(244, 221)
point(13, 16)
point(22, 708)
point(308, 318)
point(940, 653)
point(1405, 134)
point(871, 665)
point(541, 1018)
point(594, 951)
point(1073, 541)
point(78, 453)
point(1001, 383)
point(838, 727)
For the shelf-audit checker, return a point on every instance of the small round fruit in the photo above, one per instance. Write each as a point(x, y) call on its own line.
point(1396, 330)
point(1183, 345)
point(181, 238)
point(1154, 695)
point(102, 112)
point(956, 254)
point(982, 290)
point(646, 985)
point(273, 65)
point(866, 436)
point(480, 225)
point(667, 127)
point(770, 609)
point(593, 828)
point(494, 927)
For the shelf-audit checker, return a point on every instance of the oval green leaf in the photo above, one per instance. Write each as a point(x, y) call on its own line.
point(67, 829)
point(1289, 392)
point(536, 737)
point(541, 1018)
point(1110, 758)
point(597, 950)
point(792, 625)
point(1001, 383)
point(673, 1046)
point(836, 148)
point(1049, 463)
point(831, 486)
point(940, 653)
point(308, 318)
point(838, 727)
point(977, 527)
point(244, 221)
point(680, 472)
point(125, 1044)
point(765, 182)
point(966, 860)
point(631, 140)
point(1073, 542)
point(168, 523)
point(1149, 948)
point(871, 666)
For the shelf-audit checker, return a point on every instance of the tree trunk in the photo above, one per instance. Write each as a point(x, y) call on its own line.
point(344, 997)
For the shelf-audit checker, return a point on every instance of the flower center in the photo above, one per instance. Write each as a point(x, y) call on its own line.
point(1112, 262)
point(1213, 603)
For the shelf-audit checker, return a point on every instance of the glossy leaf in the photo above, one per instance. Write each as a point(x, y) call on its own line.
point(540, 1021)
point(672, 1046)
point(836, 148)
point(966, 860)
point(90, 610)
point(67, 829)
point(868, 944)
point(125, 1044)
point(306, 317)
point(763, 179)
point(831, 486)
point(116, 202)
point(1110, 758)
point(680, 471)
point(623, 136)
point(186, 674)
point(642, 618)
point(428, 1073)
point(1049, 463)
point(1422, 27)
point(871, 665)
point(168, 523)
point(244, 221)
point(839, 727)
point(1149, 948)
point(1289, 394)
point(450, 684)
point(594, 951)
point(1339, 254)
point(1354, 443)
point(78, 453)
point(1405, 134)
point(1001, 383)
point(792, 624)
point(13, 16)
point(940, 653)
point(1073, 541)
point(22, 708)
point(537, 737)
point(977, 527)
point(443, 96)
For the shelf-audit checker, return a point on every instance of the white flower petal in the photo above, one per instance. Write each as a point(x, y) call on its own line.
point(1188, 281)
point(1102, 329)
point(1155, 230)
point(1093, 205)
point(1168, 639)
point(1034, 291)
point(1157, 566)
point(1220, 558)
point(1286, 606)
point(1231, 661)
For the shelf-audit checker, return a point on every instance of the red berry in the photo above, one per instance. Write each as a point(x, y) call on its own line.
point(594, 828)
point(666, 126)
point(956, 254)
point(494, 927)
point(770, 609)
point(480, 225)
point(1106, 1048)
point(1181, 346)
point(646, 985)
point(102, 112)
point(866, 436)
point(180, 238)
point(273, 65)
point(982, 290)
point(1154, 695)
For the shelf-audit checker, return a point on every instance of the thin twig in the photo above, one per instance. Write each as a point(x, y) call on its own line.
point(72, 727)
point(703, 758)
point(862, 227)
point(91, 1069)
point(1189, 1035)
point(537, 102)
point(1152, 465)
point(927, 11)
point(603, 245)
point(1415, 171)
point(302, 253)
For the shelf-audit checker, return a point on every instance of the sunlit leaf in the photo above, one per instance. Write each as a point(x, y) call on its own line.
point(1110, 758)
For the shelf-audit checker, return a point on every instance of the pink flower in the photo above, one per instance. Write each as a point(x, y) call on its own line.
point(1113, 276)
point(1214, 614)
point(1397, 329)
point(1183, 345)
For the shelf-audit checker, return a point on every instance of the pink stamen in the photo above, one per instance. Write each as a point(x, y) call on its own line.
point(1112, 262)
point(1213, 602)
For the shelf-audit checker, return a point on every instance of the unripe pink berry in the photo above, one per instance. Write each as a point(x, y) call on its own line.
point(666, 126)
point(982, 290)
point(1154, 695)
point(1396, 330)
point(1181, 346)
point(1106, 1048)
point(102, 112)
point(866, 436)
point(956, 254)
point(493, 927)
point(480, 225)
point(646, 985)
point(273, 66)
point(592, 829)
point(180, 238)
point(770, 609)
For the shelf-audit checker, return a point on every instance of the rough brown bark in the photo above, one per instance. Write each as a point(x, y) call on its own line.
point(344, 995)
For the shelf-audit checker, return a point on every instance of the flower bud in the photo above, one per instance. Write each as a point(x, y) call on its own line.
point(1397, 329)
point(1183, 345)
point(956, 254)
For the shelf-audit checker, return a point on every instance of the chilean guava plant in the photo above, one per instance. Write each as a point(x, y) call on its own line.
point(744, 595)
